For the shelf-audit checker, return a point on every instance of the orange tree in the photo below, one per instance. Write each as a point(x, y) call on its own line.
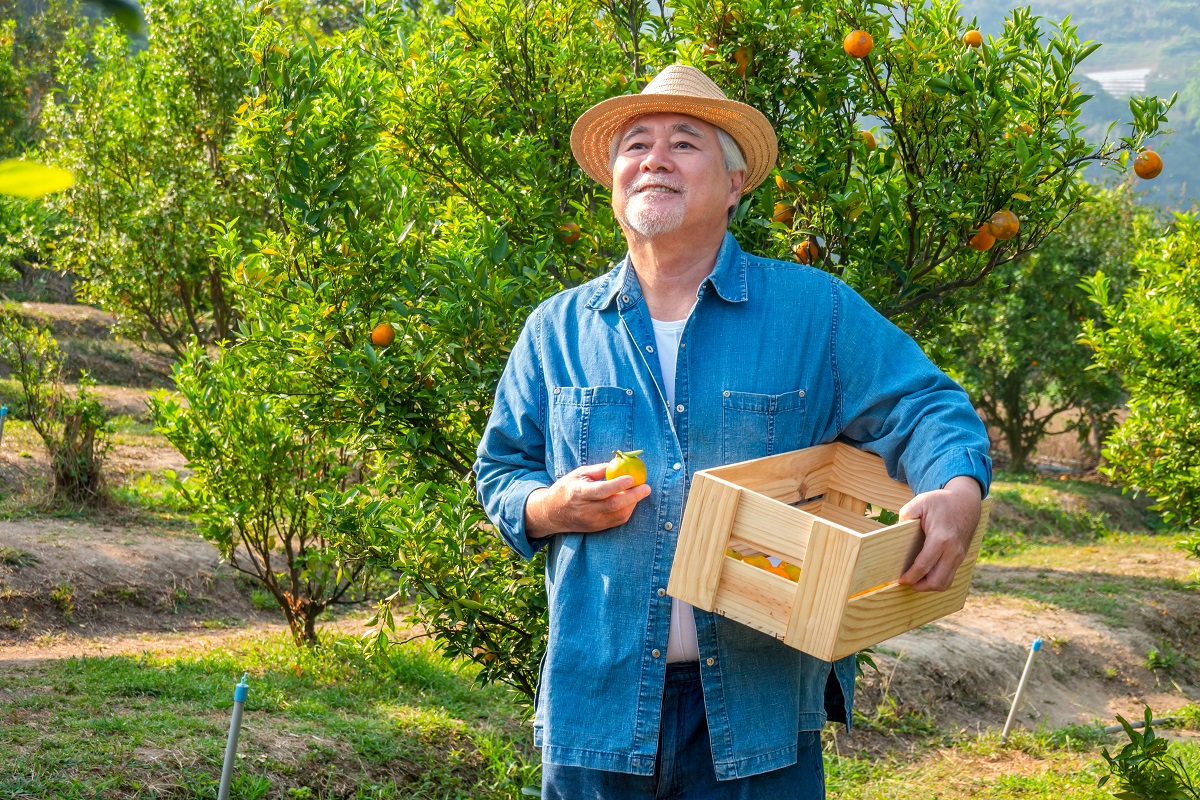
point(1013, 346)
point(1150, 334)
point(959, 133)
point(421, 179)
point(147, 133)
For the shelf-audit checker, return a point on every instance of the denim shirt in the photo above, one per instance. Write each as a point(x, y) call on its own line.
point(775, 356)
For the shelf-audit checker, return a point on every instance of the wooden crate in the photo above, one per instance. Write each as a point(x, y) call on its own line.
point(809, 507)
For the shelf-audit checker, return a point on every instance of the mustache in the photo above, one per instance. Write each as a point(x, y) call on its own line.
point(643, 183)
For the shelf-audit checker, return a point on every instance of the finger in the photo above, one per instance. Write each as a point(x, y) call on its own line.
point(937, 580)
point(602, 489)
point(922, 565)
point(911, 510)
point(627, 498)
point(593, 472)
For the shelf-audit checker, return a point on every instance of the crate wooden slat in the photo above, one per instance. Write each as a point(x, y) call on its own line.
point(809, 507)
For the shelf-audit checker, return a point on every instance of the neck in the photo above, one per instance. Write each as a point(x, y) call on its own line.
point(670, 268)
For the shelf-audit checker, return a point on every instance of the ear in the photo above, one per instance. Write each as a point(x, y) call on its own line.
point(737, 179)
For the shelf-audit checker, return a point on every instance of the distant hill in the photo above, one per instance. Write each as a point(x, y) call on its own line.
point(1148, 47)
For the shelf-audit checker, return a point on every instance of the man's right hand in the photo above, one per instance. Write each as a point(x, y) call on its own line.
point(582, 502)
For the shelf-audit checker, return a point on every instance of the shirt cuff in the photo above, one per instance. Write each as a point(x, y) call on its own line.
point(950, 465)
point(513, 514)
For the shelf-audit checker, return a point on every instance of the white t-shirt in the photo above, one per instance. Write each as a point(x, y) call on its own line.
point(681, 643)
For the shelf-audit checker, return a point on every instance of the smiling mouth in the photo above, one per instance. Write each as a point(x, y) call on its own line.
point(656, 189)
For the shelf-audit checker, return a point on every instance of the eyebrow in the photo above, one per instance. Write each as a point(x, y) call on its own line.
point(682, 127)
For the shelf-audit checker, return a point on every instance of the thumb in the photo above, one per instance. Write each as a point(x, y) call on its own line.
point(913, 509)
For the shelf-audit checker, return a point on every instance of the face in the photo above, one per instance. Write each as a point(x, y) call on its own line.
point(669, 174)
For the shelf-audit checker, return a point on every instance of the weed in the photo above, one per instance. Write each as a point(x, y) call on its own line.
point(264, 600)
point(1165, 658)
point(63, 596)
point(11, 557)
point(9, 623)
point(1078, 736)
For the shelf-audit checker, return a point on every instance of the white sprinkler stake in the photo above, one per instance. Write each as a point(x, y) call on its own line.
point(240, 693)
point(1012, 712)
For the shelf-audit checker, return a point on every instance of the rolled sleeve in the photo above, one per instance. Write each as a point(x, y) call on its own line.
point(894, 401)
point(511, 460)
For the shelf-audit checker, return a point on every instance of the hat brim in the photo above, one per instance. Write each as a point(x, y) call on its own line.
point(592, 135)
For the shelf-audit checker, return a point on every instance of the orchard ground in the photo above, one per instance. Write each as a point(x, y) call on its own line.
point(122, 635)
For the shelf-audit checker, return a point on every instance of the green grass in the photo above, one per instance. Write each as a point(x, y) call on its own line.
point(321, 724)
point(1112, 598)
point(1034, 765)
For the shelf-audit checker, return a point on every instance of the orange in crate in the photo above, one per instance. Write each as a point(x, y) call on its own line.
point(809, 508)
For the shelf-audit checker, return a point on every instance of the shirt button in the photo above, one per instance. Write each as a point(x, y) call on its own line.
point(629, 392)
point(649, 349)
point(662, 592)
point(677, 465)
point(802, 393)
point(679, 408)
point(656, 652)
point(727, 394)
point(710, 661)
point(557, 390)
point(624, 298)
point(668, 526)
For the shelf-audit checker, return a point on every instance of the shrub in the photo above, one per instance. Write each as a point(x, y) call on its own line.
point(72, 424)
point(259, 474)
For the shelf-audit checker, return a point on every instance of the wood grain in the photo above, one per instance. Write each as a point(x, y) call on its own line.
point(755, 597)
point(703, 534)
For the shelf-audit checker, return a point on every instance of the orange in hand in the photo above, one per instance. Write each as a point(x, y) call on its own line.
point(626, 464)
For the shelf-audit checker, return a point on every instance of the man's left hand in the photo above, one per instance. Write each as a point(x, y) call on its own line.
point(949, 517)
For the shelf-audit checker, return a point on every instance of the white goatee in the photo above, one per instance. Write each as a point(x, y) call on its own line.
point(648, 217)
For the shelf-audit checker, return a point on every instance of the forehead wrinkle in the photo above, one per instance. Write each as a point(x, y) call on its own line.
point(681, 127)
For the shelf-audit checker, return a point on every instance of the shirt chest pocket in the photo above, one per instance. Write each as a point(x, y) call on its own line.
point(587, 424)
point(758, 425)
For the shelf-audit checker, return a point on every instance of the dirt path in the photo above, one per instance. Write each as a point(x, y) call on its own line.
point(73, 588)
point(25, 655)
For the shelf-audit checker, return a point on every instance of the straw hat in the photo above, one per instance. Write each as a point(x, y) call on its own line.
point(677, 89)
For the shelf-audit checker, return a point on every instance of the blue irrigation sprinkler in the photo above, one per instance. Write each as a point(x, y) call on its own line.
point(1012, 712)
point(240, 692)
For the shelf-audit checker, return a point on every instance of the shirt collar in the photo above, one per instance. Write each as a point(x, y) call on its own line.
point(728, 278)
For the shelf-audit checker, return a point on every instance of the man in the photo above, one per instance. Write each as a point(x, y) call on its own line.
point(699, 354)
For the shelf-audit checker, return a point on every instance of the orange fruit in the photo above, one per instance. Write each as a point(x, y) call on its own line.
point(791, 570)
point(807, 251)
point(709, 49)
point(383, 334)
point(783, 185)
point(868, 139)
point(569, 233)
point(1003, 224)
point(757, 560)
point(1148, 164)
point(973, 39)
point(729, 551)
point(858, 43)
point(983, 239)
point(626, 464)
point(777, 571)
point(742, 57)
point(784, 213)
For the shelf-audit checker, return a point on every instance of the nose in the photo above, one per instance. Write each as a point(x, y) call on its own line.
point(658, 158)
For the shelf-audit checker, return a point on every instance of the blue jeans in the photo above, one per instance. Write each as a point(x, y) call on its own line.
point(684, 767)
